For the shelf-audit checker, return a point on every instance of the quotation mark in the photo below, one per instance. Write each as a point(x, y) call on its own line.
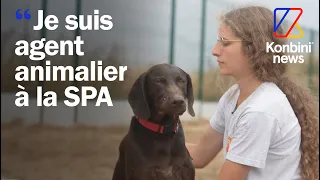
point(25, 14)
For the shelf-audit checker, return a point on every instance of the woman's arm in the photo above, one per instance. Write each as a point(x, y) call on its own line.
point(207, 148)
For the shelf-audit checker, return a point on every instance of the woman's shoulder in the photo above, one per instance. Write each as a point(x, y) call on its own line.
point(271, 100)
point(270, 93)
point(231, 92)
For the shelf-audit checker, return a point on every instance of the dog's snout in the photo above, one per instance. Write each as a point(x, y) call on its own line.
point(177, 101)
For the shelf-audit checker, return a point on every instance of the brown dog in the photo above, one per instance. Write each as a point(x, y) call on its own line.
point(154, 148)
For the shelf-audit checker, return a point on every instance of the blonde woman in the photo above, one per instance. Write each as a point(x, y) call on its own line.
point(265, 124)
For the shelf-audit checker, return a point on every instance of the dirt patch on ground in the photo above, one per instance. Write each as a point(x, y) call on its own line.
point(74, 153)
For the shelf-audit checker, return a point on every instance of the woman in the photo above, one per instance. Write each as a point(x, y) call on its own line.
point(266, 125)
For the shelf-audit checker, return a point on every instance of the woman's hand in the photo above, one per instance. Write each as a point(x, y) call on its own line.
point(206, 149)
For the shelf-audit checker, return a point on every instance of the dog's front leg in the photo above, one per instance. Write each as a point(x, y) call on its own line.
point(119, 171)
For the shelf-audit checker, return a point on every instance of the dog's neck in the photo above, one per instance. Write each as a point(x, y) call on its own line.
point(157, 127)
point(164, 119)
point(159, 123)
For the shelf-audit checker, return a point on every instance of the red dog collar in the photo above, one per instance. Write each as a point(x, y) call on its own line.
point(162, 129)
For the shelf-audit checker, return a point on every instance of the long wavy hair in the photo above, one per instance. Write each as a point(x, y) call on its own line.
point(254, 25)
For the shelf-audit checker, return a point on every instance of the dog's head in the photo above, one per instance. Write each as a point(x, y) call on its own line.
point(163, 90)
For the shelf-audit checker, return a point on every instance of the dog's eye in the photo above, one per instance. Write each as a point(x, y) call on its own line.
point(160, 80)
point(180, 80)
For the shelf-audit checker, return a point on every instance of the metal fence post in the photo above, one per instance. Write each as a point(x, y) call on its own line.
point(75, 56)
point(172, 29)
point(311, 59)
point(43, 35)
point(202, 49)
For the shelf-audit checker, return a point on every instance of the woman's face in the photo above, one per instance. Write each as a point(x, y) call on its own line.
point(228, 51)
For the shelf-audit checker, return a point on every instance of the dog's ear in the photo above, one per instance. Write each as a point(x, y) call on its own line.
point(138, 98)
point(190, 96)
